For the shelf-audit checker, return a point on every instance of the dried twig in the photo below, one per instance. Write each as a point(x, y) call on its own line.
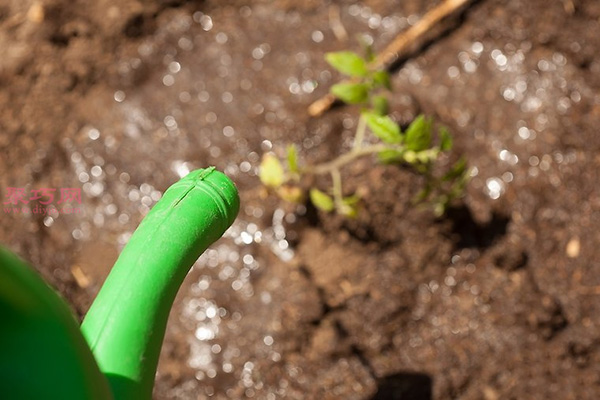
point(399, 45)
point(569, 6)
point(80, 277)
point(335, 23)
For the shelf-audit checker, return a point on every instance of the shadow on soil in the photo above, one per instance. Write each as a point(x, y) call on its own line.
point(405, 386)
point(471, 234)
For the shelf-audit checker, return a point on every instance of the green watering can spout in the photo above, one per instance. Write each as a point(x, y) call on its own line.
point(125, 325)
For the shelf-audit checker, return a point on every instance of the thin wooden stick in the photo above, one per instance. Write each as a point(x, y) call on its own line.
point(399, 45)
point(335, 22)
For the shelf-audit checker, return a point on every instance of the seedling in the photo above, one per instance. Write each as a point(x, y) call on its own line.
point(415, 147)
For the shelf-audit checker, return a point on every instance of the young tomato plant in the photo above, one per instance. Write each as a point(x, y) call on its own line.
point(415, 147)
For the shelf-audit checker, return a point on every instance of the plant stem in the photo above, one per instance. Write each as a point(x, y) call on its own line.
point(337, 187)
point(360, 133)
point(347, 158)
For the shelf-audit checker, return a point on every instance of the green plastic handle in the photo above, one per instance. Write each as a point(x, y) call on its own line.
point(126, 324)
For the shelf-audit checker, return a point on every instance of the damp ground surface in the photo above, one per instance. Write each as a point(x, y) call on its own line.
point(497, 300)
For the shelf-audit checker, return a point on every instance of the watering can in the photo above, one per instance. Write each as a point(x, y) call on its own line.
point(44, 354)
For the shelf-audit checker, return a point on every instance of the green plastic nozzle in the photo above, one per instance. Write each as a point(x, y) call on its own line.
point(43, 354)
point(126, 324)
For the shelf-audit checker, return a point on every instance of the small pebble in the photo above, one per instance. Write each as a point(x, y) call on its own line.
point(573, 248)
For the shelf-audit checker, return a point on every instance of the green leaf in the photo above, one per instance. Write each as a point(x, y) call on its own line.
point(348, 210)
point(418, 134)
point(390, 156)
point(380, 105)
point(292, 159)
point(457, 171)
point(383, 127)
point(271, 172)
point(457, 189)
point(351, 93)
point(445, 140)
point(439, 208)
point(424, 193)
point(428, 155)
point(410, 156)
point(351, 200)
point(348, 63)
point(350, 206)
point(365, 43)
point(321, 200)
point(292, 194)
point(382, 79)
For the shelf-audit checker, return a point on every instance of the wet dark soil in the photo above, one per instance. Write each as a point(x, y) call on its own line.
point(499, 299)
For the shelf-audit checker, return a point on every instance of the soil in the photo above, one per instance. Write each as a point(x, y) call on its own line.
point(499, 299)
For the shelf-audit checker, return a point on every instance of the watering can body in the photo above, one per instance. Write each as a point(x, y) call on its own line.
point(43, 352)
